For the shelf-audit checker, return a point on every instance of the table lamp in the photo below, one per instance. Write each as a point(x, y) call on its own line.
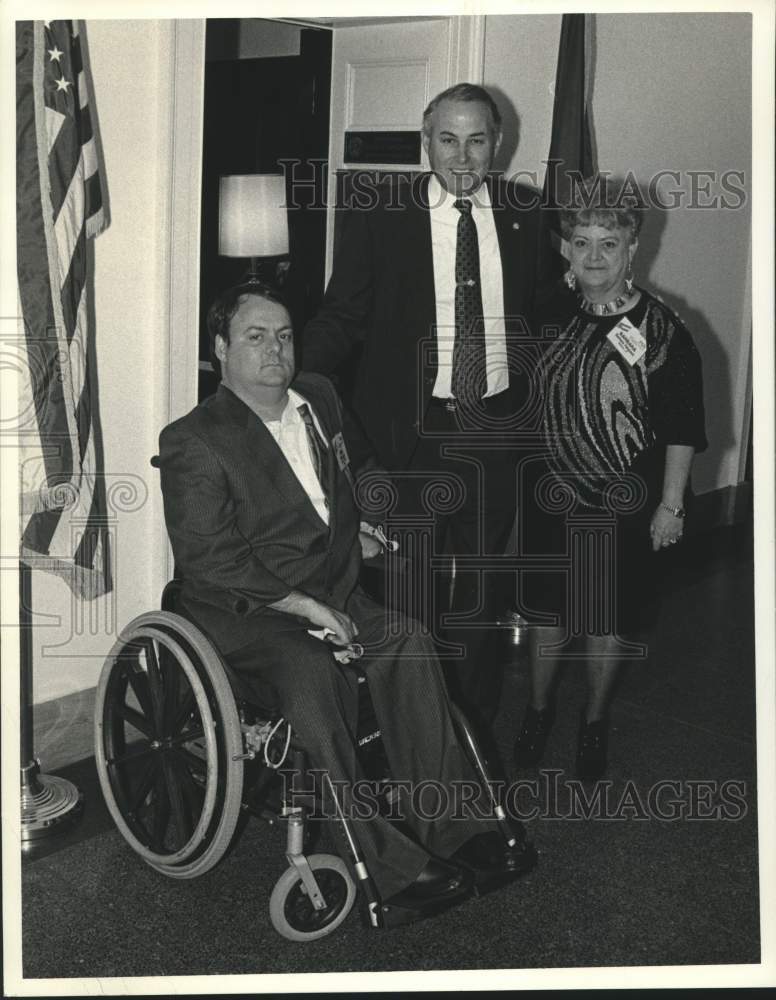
point(253, 222)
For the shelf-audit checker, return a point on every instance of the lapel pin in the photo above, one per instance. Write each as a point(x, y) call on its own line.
point(515, 225)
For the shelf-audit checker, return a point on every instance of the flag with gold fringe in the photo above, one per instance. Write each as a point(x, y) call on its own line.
point(571, 144)
point(59, 206)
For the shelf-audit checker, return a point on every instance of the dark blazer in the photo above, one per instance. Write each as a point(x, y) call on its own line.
point(243, 531)
point(381, 294)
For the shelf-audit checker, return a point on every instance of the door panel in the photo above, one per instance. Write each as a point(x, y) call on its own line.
point(383, 76)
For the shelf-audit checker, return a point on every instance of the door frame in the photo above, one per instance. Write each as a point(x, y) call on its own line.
point(186, 119)
point(187, 72)
point(466, 56)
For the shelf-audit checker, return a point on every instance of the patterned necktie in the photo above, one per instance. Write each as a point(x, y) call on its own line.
point(468, 375)
point(316, 445)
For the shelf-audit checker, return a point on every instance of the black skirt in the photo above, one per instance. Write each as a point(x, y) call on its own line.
point(589, 569)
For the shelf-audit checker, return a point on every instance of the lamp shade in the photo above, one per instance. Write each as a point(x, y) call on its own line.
point(252, 216)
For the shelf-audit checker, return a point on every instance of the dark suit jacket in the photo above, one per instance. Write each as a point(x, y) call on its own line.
point(243, 531)
point(381, 293)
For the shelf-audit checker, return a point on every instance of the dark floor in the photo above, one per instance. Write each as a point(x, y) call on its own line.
point(628, 890)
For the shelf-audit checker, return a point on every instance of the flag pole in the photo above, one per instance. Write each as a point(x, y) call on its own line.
point(49, 803)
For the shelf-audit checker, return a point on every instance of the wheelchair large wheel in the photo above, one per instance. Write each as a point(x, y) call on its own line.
point(167, 745)
point(291, 910)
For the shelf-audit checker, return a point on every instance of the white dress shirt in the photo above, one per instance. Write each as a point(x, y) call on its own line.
point(291, 435)
point(444, 237)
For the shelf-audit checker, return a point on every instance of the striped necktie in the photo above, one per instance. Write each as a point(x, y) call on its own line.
point(315, 444)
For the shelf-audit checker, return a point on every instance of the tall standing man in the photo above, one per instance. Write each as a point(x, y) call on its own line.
point(435, 279)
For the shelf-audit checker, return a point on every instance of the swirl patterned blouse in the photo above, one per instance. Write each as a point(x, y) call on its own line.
point(607, 420)
point(602, 411)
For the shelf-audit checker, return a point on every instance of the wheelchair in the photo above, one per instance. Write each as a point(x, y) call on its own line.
point(182, 753)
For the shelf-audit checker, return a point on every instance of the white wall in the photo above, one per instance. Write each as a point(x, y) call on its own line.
point(521, 53)
point(131, 66)
point(671, 92)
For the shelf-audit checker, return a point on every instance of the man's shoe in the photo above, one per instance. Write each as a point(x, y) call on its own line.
point(439, 882)
point(530, 743)
point(492, 860)
point(591, 750)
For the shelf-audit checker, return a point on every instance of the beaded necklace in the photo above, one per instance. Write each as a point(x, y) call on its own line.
point(605, 308)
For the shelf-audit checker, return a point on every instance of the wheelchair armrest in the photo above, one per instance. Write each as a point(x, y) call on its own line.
point(171, 595)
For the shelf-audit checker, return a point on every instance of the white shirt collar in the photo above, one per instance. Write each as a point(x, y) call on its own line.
point(440, 199)
point(291, 416)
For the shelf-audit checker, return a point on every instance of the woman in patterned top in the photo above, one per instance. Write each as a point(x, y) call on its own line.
point(622, 419)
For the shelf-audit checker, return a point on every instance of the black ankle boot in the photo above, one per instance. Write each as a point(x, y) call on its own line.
point(591, 749)
point(530, 744)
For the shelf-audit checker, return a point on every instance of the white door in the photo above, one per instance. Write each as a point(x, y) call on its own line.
point(383, 76)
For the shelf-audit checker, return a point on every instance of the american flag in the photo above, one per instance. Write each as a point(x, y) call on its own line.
point(571, 143)
point(59, 205)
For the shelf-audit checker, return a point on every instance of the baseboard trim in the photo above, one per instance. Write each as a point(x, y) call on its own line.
point(721, 508)
point(64, 729)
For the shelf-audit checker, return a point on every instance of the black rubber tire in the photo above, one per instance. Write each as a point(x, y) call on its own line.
point(290, 910)
point(164, 702)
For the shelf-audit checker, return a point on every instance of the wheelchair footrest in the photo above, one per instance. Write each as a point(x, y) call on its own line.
point(486, 882)
point(389, 915)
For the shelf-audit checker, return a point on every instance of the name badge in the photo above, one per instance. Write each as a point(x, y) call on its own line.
point(338, 443)
point(626, 338)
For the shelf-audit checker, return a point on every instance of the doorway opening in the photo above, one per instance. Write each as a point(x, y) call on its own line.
point(266, 111)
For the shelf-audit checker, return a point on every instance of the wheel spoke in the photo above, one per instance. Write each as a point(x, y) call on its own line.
point(192, 790)
point(134, 754)
point(142, 789)
point(138, 681)
point(155, 686)
point(187, 704)
point(188, 736)
point(197, 764)
point(135, 719)
point(161, 813)
point(179, 817)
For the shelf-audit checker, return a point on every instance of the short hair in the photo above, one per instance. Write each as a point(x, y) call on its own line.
point(463, 92)
point(601, 201)
point(226, 304)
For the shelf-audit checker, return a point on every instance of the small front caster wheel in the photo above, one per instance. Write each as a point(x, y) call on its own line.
point(290, 907)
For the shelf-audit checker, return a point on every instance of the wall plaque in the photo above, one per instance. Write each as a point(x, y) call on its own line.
point(382, 147)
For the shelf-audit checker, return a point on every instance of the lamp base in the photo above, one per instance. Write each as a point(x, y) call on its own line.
point(268, 270)
point(48, 804)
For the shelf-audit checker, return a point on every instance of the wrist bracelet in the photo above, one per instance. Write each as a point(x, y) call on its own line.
point(676, 511)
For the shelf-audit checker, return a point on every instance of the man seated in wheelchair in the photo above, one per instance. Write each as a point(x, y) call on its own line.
point(259, 505)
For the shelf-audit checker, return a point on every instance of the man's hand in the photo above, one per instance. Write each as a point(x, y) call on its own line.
point(370, 547)
point(341, 624)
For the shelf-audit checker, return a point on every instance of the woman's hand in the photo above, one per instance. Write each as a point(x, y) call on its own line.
point(665, 529)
